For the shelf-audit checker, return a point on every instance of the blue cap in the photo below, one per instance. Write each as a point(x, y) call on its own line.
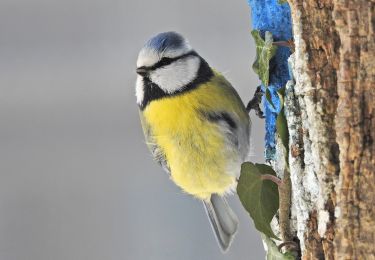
point(166, 40)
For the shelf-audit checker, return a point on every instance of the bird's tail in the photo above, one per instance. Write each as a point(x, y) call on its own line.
point(223, 220)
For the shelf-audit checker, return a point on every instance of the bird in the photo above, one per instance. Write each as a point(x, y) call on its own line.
point(195, 125)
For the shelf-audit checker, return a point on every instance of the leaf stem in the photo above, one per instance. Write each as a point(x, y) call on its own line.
point(288, 244)
point(285, 190)
point(272, 178)
point(289, 43)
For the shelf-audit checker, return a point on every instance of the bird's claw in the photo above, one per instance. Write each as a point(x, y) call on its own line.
point(254, 103)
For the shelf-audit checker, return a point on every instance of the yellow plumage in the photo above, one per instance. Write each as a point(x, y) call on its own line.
point(194, 147)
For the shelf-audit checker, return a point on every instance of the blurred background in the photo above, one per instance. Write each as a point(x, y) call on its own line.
point(76, 179)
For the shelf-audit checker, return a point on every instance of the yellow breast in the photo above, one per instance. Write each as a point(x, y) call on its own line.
point(193, 146)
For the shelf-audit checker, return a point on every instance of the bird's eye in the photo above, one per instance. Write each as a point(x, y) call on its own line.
point(165, 61)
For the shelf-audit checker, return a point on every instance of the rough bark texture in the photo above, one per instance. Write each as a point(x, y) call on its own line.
point(330, 113)
point(355, 130)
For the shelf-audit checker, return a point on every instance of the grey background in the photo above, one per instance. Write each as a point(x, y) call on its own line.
point(76, 179)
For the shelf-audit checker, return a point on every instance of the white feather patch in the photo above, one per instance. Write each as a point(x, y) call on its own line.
point(139, 92)
point(148, 57)
point(176, 75)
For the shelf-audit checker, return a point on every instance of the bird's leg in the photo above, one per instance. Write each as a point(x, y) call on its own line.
point(255, 102)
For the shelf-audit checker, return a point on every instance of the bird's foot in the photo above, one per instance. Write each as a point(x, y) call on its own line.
point(254, 103)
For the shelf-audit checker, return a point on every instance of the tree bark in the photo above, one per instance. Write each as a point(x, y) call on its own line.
point(330, 113)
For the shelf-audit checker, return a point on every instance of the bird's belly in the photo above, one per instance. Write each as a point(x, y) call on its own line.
point(196, 151)
point(199, 163)
point(198, 160)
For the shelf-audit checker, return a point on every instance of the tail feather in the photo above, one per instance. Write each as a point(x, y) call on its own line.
point(223, 220)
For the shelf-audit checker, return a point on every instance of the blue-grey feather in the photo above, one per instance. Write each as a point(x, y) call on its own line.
point(166, 40)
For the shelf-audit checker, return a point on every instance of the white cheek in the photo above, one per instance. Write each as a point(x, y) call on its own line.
point(177, 75)
point(139, 92)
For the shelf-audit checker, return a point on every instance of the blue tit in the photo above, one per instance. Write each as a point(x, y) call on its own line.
point(195, 125)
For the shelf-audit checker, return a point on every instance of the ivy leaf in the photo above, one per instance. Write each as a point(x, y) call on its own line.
point(281, 123)
point(269, 98)
point(281, 94)
point(259, 197)
point(282, 129)
point(265, 50)
point(273, 252)
point(282, 2)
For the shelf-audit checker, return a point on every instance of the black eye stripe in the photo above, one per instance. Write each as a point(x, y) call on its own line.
point(153, 92)
point(166, 61)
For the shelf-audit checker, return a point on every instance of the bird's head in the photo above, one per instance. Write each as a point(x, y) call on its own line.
point(168, 61)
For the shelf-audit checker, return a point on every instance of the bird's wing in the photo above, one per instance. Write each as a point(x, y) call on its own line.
point(227, 123)
point(156, 151)
point(238, 133)
point(221, 105)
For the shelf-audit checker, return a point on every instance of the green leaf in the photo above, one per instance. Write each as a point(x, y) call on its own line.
point(269, 98)
point(265, 50)
point(273, 252)
point(282, 2)
point(281, 94)
point(259, 197)
point(282, 129)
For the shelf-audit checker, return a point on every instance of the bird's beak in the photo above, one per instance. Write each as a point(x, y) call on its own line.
point(142, 71)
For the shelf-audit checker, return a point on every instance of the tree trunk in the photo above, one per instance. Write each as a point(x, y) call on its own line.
point(330, 114)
